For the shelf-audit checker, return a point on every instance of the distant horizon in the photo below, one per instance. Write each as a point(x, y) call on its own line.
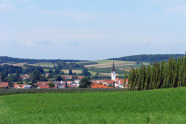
point(87, 59)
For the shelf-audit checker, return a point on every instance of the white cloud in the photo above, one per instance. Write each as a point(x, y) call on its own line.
point(116, 18)
point(30, 7)
point(73, 43)
point(176, 10)
point(146, 40)
point(6, 7)
point(76, 15)
point(29, 43)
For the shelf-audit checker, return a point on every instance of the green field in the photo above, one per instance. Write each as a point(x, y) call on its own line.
point(165, 106)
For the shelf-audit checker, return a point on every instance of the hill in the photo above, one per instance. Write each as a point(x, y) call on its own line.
point(155, 106)
point(149, 58)
point(6, 59)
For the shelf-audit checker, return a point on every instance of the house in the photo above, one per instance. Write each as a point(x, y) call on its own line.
point(99, 86)
point(4, 85)
point(43, 86)
point(47, 74)
point(28, 87)
point(19, 86)
point(74, 85)
point(25, 77)
point(44, 82)
point(61, 87)
point(67, 77)
point(80, 77)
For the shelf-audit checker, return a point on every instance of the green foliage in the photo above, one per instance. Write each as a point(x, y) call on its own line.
point(51, 85)
point(58, 78)
point(70, 71)
point(19, 83)
point(57, 70)
point(10, 78)
point(85, 72)
point(159, 75)
point(149, 58)
point(154, 107)
point(85, 83)
point(5, 59)
point(35, 76)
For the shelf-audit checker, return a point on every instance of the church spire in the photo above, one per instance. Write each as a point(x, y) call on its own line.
point(113, 68)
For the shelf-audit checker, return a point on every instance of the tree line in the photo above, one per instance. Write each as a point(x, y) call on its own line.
point(149, 58)
point(6, 59)
point(159, 75)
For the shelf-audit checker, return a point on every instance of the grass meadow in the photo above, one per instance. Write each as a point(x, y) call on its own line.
point(165, 106)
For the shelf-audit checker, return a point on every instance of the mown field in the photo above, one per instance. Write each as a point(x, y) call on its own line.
point(165, 106)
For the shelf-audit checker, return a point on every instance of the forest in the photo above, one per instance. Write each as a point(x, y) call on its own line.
point(149, 58)
point(160, 75)
point(6, 59)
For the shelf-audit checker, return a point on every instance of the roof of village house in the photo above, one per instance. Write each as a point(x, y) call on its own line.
point(44, 82)
point(61, 87)
point(80, 77)
point(73, 85)
point(19, 85)
point(3, 84)
point(99, 86)
point(28, 86)
point(43, 86)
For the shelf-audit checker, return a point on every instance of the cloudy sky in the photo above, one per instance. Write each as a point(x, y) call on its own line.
point(91, 29)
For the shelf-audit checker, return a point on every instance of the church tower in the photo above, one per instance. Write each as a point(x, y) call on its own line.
point(113, 73)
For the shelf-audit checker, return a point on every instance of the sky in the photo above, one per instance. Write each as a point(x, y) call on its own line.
point(91, 29)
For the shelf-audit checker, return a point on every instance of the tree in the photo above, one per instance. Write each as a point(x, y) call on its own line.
point(11, 78)
point(50, 71)
point(58, 78)
point(51, 85)
point(70, 71)
point(84, 83)
point(17, 75)
point(85, 72)
point(35, 76)
point(43, 78)
point(57, 70)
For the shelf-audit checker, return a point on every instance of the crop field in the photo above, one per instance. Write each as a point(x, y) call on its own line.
point(44, 64)
point(165, 106)
point(108, 63)
point(73, 71)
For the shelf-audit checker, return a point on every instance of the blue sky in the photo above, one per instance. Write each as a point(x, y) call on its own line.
point(91, 29)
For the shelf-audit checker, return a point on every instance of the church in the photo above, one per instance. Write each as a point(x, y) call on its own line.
point(113, 73)
point(118, 83)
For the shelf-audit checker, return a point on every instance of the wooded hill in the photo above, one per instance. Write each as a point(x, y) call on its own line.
point(149, 58)
point(6, 59)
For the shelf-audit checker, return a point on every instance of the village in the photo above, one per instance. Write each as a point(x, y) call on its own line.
point(70, 81)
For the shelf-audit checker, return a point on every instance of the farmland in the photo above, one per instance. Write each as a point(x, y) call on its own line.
point(155, 106)
point(100, 67)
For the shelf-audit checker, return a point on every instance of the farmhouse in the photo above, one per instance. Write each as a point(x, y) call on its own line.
point(4, 85)
point(44, 82)
point(43, 86)
point(19, 86)
point(25, 77)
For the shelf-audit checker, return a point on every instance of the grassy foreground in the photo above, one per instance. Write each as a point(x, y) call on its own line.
point(164, 106)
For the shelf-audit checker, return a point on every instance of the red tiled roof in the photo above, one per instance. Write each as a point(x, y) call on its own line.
point(99, 86)
point(19, 86)
point(80, 77)
point(3, 84)
point(44, 82)
point(43, 86)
